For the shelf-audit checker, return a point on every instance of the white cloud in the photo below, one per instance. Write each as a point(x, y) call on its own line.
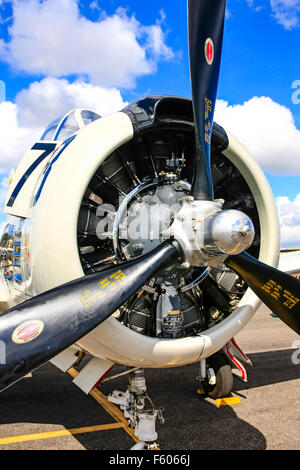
point(22, 122)
point(267, 129)
point(228, 14)
point(3, 192)
point(14, 140)
point(52, 38)
point(155, 42)
point(2, 227)
point(94, 5)
point(251, 4)
point(289, 214)
point(286, 12)
point(44, 101)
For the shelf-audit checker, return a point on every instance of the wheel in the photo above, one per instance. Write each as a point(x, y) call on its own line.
point(223, 377)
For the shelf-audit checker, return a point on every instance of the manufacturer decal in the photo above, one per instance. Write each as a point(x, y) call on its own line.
point(209, 50)
point(27, 331)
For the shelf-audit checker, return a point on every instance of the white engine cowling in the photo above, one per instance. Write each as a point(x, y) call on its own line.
point(50, 237)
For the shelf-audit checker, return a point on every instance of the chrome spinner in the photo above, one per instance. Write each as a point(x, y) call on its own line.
point(207, 234)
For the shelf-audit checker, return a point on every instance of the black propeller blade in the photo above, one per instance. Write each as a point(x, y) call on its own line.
point(206, 26)
point(279, 291)
point(37, 330)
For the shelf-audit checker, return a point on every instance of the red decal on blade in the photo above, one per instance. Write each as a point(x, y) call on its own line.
point(27, 331)
point(209, 50)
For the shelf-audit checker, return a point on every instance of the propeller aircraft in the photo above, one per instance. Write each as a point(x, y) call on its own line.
point(76, 278)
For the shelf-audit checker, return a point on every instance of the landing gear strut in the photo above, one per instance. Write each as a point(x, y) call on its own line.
point(139, 409)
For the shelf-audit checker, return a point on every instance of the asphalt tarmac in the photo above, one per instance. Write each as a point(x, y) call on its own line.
point(267, 416)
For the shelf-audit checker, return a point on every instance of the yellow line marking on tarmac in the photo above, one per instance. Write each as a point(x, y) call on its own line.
point(109, 407)
point(228, 401)
point(115, 413)
point(63, 432)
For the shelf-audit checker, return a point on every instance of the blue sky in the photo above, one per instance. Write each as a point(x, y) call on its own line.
point(260, 59)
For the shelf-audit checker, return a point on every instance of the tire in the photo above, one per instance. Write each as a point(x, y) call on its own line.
point(224, 378)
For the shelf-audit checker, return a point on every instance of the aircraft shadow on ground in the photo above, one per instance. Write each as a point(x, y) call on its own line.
point(49, 397)
point(271, 367)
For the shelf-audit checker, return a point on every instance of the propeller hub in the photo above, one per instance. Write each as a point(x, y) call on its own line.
point(208, 235)
point(231, 233)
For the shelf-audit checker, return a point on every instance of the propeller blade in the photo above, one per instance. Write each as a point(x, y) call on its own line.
point(206, 27)
point(40, 328)
point(279, 291)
